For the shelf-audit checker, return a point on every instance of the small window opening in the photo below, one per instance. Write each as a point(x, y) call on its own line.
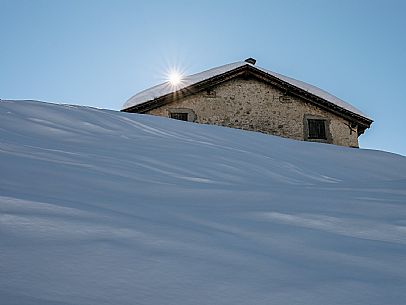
point(317, 129)
point(179, 116)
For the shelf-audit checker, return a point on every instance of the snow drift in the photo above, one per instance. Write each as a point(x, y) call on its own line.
point(103, 207)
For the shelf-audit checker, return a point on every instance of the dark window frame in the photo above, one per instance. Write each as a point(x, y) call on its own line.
point(189, 113)
point(309, 137)
point(181, 116)
point(316, 129)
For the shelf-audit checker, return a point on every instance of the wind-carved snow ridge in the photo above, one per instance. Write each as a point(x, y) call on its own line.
point(358, 227)
point(104, 207)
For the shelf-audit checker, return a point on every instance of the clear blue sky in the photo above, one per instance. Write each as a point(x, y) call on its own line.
point(99, 53)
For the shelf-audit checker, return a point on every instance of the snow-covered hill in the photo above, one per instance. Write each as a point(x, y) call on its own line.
point(101, 207)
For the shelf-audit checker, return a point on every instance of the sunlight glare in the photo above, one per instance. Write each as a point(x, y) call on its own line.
point(175, 78)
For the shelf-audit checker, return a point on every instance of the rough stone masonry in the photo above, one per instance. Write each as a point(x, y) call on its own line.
point(251, 104)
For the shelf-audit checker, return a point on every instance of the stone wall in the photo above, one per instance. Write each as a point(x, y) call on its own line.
point(254, 105)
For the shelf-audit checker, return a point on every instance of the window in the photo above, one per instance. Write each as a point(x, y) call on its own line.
point(183, 114)
point(317, 129)
point(179, 116)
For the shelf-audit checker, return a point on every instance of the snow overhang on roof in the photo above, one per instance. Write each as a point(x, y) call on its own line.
point(167, 88)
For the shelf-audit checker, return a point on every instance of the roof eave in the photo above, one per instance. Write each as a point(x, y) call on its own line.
point(321, 102)
point(192, 89)
point(146, 106)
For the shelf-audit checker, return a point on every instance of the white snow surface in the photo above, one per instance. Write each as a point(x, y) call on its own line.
point(102, 207)
point(166, 88)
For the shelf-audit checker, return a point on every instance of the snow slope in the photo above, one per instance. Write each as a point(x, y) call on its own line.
point(102, 207)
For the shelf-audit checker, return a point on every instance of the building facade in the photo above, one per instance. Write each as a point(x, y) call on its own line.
point(240, 95)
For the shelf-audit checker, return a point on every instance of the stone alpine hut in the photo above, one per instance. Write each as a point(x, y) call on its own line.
point(243, 95)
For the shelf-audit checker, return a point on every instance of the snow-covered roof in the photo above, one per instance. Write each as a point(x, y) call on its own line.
point(167, 88)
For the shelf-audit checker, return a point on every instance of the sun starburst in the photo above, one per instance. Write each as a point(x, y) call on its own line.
point(175, 78)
